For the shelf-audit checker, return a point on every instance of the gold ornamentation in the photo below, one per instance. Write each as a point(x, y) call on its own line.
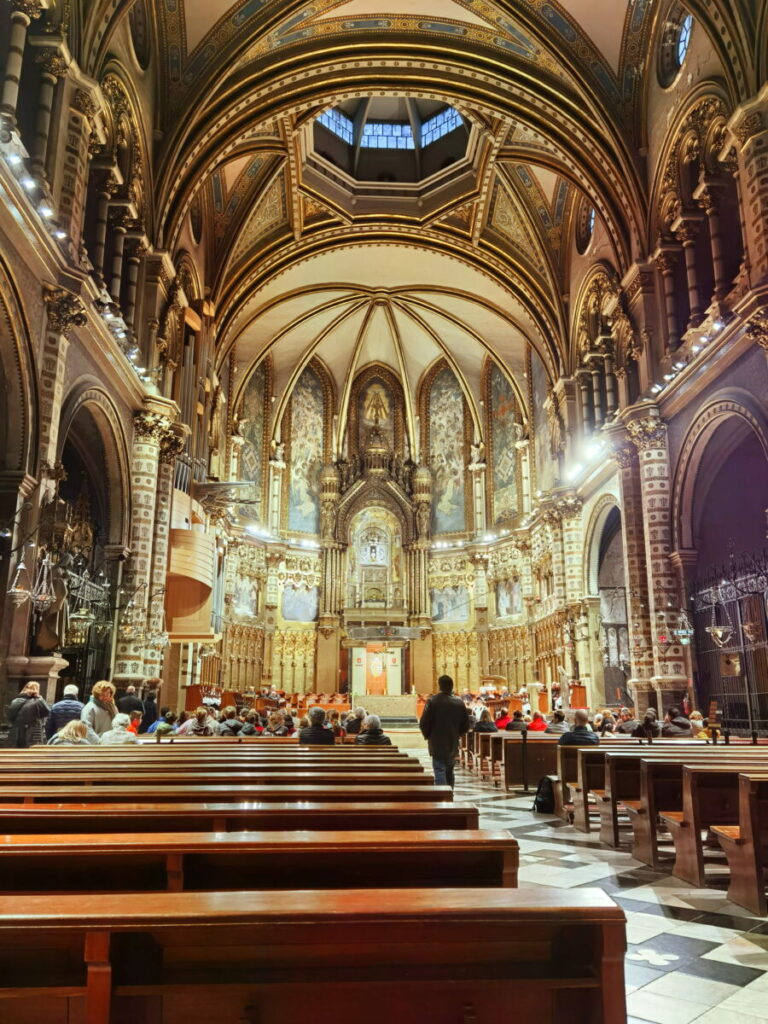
point(750, 126)
point(625, 456)
point(648, 433)
point(84, 103)
point(52, 63)
point(151, 426)
point(171, 446)
point(64, 309)
point(757, 329)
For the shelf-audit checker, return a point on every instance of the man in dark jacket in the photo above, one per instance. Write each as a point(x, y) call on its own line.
point(316, 732)
point(627, 722)
point(675, 724)
point(372, 734)
point(516, 724)
point(580, 735)
point(130, 702)
point(63, 711)
point(444, 719)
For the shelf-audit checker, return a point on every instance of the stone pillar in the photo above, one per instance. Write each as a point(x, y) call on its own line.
point(586, 405)
point(707, 195)
point(748, 134)
point(687, 231)
point(135, 253)
point(665, 259)
point(64, 312)
point(611, 403)
point(523, 453)
point(150, 427)
point(53, 67)
point(277, 467)
point(106, 189)
point(649, 435)
point(171, 445)
point(477, 476)
point(21, 15)
point(635, 574)
point(597, 391)
point(119, 229)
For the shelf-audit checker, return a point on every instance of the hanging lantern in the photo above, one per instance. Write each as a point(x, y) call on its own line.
point(80, 623)
point(42, 593)
point(684, 629)
point(19, 591)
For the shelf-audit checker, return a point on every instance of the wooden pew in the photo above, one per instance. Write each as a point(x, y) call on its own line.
point(372, 955)
point(526, 760)
point(661, 790)
point(89, 772)
point(279, 793)
point(161, 779)
point(206, 861)
point(710, 798)
point(226, 817)
point(746, 844)
point(622, 780)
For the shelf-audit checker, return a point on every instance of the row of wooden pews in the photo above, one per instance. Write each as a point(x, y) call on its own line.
point(262, 881)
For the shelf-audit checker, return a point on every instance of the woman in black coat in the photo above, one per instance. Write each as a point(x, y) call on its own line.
point(26, 716)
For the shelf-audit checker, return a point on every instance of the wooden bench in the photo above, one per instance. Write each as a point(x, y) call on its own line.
point(278, 793)
point(369, 955)
point(661, 790)
point(525, 761)
point(746, 845)
point(205, 861)
point(223, 817)
point(160, 778)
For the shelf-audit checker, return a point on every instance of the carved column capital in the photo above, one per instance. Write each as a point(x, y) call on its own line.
point(31, 8)
point(52, 62)
point(757, 329)
point(648, 433)
point(64, 310)
point(151, 426)
point(625, 456)
point(171, 446)
point(665, 260)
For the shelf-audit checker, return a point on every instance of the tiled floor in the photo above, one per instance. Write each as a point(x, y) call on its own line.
point(692, 955)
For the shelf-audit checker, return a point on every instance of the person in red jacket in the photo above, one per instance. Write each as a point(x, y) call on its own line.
point(503, 720)
point(538, 724)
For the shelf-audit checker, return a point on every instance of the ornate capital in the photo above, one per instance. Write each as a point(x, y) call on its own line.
point(757, 329)
point(64, 309)
point(569, 508)
point(32, 8)
point(625, 456)
point(648, 433)
point(665, 260)
point(84, 103)
point(52, 63)
point(151, 426)
point(688, 231)
point(171, 446)
point(748, 127)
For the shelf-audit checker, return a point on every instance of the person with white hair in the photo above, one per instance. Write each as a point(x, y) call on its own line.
point(354, 724)
point(118, 733)
point(64, 711)
point(372, 734)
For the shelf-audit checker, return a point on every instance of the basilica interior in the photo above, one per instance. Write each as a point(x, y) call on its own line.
point(340, 350)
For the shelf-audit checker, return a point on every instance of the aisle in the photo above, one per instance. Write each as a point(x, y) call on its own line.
point(692, 956)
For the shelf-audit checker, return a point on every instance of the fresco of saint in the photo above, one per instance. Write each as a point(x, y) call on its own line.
point(503, 438)
point(375, 409)
point(252, 429)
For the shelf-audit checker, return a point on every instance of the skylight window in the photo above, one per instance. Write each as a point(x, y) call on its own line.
point(338, 123)
point(385, 135)
point(439, 125)
point(684, 38)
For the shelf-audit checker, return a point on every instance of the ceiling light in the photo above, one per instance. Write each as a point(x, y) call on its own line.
point(695, 349)
point(574, 471)
point(28, 183)
point(669, 376)
point(679, 366)
point(717, 325)
point(45, 211)
point(60, 234)
point(13, 159)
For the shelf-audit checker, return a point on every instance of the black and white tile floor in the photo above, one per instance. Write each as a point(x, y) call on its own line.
point(692, 955)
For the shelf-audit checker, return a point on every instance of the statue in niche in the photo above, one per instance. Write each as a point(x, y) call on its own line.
point(422, 520)
point(376, 405)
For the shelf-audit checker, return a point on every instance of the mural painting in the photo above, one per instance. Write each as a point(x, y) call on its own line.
point(251, 427)
point(504, 435)
point(306, 453)
point(246, 598)
point(446, 444)
point(300, 605)
point(376, 408)
point(509, 597)
point(546, 466)
point(450, 604)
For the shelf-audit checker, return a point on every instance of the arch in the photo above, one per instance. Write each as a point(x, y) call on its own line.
point(592, 539)
point(726, 404)
point(91, 397)
point(366, 494)
point(19, 415)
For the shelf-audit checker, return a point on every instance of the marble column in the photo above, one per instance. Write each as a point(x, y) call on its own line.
point(64, 311)
point(120, 224)
point(22, 13)
point(687, 231)
point(649, 436)
point(150, 427)
point(53, 66)
point(106, 189)
point(665, 259)
point(707, 195)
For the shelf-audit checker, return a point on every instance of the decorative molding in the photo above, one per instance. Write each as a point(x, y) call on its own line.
point(648, 433)
point(64, 310)
point(151, 426)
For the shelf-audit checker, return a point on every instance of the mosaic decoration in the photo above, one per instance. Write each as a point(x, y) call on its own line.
point(306, 453)
point(546, 466)
point(450, 604)
point(300, 605)
point(446, 449)
point(503, 417)
point(252, 429)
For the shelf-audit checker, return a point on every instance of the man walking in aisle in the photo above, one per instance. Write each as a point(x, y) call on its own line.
point(443, 721)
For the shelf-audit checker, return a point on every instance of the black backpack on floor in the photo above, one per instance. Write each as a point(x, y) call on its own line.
point(544, 801)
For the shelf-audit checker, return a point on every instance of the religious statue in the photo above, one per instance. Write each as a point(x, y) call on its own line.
point(422, 520)
point(376, 407)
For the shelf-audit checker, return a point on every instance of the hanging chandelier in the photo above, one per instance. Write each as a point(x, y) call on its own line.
point(42, 595)
point(19, 591)
point(80, 623)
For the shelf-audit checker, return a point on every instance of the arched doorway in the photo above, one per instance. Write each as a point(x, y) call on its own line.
point(614, 633)
point(725, 519)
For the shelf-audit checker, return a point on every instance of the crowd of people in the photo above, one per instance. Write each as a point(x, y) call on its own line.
point(603, 724)
point(110, 720)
